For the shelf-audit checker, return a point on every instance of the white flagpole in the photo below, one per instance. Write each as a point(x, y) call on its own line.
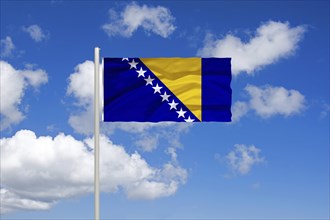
point(96, 134)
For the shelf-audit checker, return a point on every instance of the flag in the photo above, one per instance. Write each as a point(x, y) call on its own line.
point(167, 89)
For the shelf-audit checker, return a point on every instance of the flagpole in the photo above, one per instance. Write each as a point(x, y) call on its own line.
point(96, 134)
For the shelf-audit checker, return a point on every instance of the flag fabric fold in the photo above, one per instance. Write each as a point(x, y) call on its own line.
point(167, 89)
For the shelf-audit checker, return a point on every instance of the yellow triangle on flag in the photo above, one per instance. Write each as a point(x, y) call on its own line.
point(183, 77)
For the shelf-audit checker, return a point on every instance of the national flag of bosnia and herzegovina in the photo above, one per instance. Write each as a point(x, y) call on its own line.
point(167, 89)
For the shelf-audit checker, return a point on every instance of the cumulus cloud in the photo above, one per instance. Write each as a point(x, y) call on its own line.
point(272, 41)
point(37, 172)
point(35, 32)
point(172, 152)
point(13, 83)
point(81, 83)
point(157, 20)
point(239, 109)
point(168, 179)
point(11, 202)
point(7, 47)
point(147, 142)
point(81, 87)
point(243, 158)
point(267, 101)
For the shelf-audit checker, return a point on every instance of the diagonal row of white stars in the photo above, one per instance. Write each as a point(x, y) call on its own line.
point(157, 88)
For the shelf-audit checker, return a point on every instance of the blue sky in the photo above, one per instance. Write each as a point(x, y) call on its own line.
point(271, 162)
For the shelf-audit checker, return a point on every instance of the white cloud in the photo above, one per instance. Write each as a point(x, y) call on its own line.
point(35, 32)
point(239, 109)
point(243, 158)
point(37, 172)
point(272, 41)
point(7, 47)
point(151, 19)
point(268, 101)
point(11, 202)
point(147, 142)
point(150, 136)
point(81, 83)
point(169, 178)
point(81, 86)
point(13, 83)
point(172, 152)
point(154, 189)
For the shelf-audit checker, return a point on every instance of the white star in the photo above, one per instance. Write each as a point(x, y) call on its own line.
point(149, 80)
point(141, 72)
point(165, 97)
point(124, 59)
point(133, 64)
point(189, 119)
point(173, 104)
point(157, 88)
point(181, 113)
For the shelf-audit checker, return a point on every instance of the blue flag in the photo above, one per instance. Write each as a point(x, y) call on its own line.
point(167, 89)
